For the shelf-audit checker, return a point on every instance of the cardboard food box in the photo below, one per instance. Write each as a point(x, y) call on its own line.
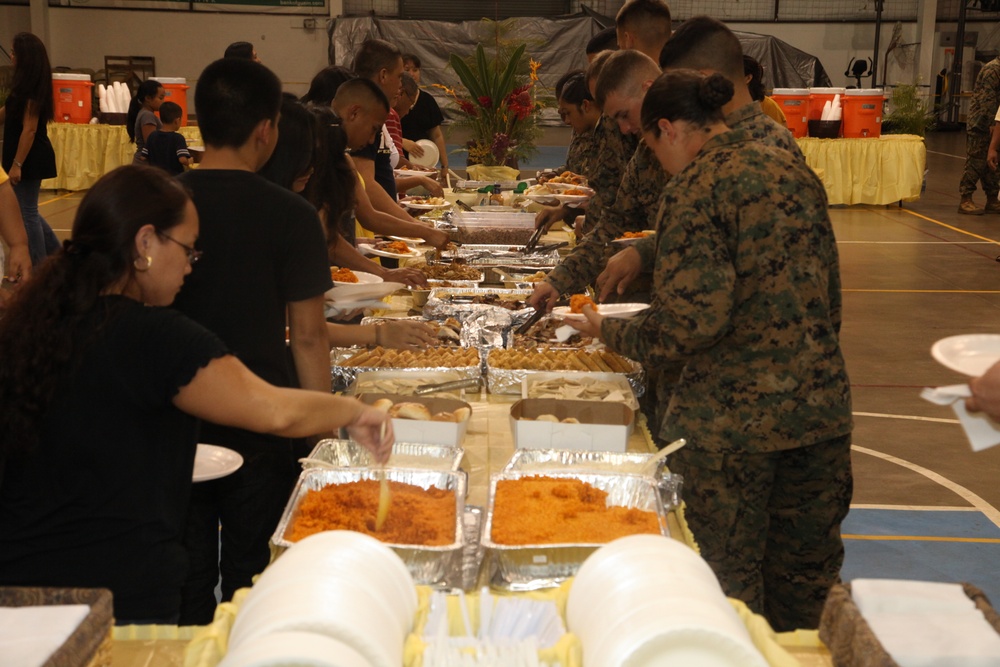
point(602, 427)
point(450, 434)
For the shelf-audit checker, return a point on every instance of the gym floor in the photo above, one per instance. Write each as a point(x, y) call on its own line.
point(925, 505)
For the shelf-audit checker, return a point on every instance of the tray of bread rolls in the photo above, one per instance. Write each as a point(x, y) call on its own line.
point(347, 363)
point(507, 368)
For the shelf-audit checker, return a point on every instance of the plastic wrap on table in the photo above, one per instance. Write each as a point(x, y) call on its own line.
point(343, 376)
point(350, 454)
point(544, 565)
point(428, 565)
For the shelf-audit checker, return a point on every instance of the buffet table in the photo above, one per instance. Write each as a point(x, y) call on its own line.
point(84, 153)
point(868, 171)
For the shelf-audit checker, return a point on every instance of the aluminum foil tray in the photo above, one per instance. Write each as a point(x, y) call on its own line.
point(509, 380)
point(404, 381)
point(434, 283)
point(440, 306)
point(488, 255)
point(349, 454)
point(564, 460)
point(343, 376)
point(428, 565)
point(541, 565)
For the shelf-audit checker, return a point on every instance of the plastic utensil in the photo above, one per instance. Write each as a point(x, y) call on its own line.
point(384, 494)
point(662, 454)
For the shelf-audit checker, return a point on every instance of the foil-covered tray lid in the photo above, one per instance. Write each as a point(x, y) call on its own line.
point(350, 454)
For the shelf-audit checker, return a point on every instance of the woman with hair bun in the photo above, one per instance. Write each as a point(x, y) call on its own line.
point(142, 120)
point(101, 390)
point(746, 296)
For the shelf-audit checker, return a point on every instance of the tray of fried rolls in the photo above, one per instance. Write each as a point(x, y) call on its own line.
point(507, 368)
point(347, 363)
point(541, 526)
point(424, 525)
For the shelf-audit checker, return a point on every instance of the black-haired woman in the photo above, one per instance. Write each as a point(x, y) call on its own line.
point(142, 120)
point(746, 294)
point(28, 157)
point(101, 391)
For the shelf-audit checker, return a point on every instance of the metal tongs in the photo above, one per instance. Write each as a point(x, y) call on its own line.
point(537, 315)
point(469, 383)
point(462, 205)
point(529, 247)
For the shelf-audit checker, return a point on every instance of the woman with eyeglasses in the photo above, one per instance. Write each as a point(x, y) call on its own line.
point(101, 390)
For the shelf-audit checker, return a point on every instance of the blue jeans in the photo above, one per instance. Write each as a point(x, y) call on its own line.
point(42, 241)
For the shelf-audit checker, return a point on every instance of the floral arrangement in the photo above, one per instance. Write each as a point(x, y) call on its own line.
point(500, 103)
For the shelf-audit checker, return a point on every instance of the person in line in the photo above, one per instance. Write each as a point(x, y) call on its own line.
point(401, 108)
point(754, 74)
point(166, 148)
point(28, 157)
point(243, 50)
point(993, 155)
point(604, 40)
point(986, 393)
point(747, 295)
point(709, 46)
point(982, 110)
point(643, 25)
point(265, 267)
point(425, 117)
point(142, 120)
point(101, 389)
point(16, 267)
point(303, 153)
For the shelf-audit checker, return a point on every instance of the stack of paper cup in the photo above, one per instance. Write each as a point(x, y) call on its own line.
point(340, 586)
point(646, 601)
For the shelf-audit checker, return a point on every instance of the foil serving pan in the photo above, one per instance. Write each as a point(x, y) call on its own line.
point(441, 302)
point(427, 565)
point(565, 460)
point(509, 380)
point(504, 255)
point(343, 376)
point(541, 565)
point(349, 454)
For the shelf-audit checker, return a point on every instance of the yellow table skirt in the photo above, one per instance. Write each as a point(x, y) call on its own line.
point(868, 171)
point(84, 153)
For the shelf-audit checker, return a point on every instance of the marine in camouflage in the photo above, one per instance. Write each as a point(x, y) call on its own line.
point(581, 156)
point(613, 150)
point(982, 111)
point(746, 294)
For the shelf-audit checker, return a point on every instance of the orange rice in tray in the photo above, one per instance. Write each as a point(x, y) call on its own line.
point(548, 510)
point(416, 516)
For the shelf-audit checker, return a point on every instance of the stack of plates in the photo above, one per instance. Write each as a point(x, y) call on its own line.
point(646, 601)
point(335, 599)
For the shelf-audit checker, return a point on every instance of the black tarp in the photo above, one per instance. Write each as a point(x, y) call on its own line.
point(557, 43)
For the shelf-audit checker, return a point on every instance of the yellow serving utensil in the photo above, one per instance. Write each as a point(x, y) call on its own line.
point(384, 494)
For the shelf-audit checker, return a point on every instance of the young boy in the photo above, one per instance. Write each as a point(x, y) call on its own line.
point(165, 148)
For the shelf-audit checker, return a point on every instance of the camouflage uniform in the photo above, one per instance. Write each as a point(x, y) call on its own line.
point(633, 210)
point(612, 149)
point(581, 157)
point(747, 295)
point(982, 111)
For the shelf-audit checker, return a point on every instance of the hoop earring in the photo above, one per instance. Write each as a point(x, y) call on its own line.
point(149, 263)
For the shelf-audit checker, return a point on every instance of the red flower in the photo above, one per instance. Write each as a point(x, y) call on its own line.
point(468, 107)
point(486, 102)
point(521, 89)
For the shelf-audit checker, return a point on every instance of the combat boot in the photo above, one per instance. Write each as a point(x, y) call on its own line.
point(967, 207)
point(993, 205)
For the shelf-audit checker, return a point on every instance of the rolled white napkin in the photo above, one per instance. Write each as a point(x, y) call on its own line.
point(981, 431)
point(565, 332)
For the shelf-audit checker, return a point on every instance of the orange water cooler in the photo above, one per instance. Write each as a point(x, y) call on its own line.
point(73, 97)
point(175, 90)
point(863, 113)
point(794, 102)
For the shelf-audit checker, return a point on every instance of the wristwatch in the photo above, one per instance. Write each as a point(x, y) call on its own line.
point(18, 164)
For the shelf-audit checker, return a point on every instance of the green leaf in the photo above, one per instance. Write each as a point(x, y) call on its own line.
point(466, 76)
point(487, 76)
point(507, 80)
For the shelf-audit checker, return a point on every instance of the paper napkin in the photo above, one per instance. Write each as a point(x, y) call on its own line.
point(981, 431)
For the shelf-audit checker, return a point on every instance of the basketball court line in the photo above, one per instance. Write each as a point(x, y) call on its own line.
point(915, 508)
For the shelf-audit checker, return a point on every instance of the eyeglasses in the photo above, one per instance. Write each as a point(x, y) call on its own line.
point(192, 254)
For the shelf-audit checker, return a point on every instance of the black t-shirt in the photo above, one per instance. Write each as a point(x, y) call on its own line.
point(101, 501)
point(264, 247)
point(381, 153)
point(41, 160)
point(164, 150)
point(422, 118)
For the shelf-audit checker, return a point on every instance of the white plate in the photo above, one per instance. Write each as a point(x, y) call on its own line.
point(370, 250)
point(332, 309)
point(620, 310)
point(562, 199)
point(357, 292)
point(562, 187)
point(633, 240)
point(363, 279)
point(422, 205)
point(213, 462)
point(971, 354)
point(430, 156)
point(408, 240)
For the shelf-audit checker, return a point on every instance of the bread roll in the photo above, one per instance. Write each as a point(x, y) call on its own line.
point(461, 414)
point(410, 411)
point(547, 418)
point(571, 420)
point(383, 404)
point(443, 417)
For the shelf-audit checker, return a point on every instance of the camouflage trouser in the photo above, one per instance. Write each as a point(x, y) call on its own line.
point(769, 524)
point(977, 145)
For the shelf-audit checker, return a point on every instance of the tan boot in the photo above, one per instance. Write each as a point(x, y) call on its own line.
point(967, 207)
point(993, 206)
